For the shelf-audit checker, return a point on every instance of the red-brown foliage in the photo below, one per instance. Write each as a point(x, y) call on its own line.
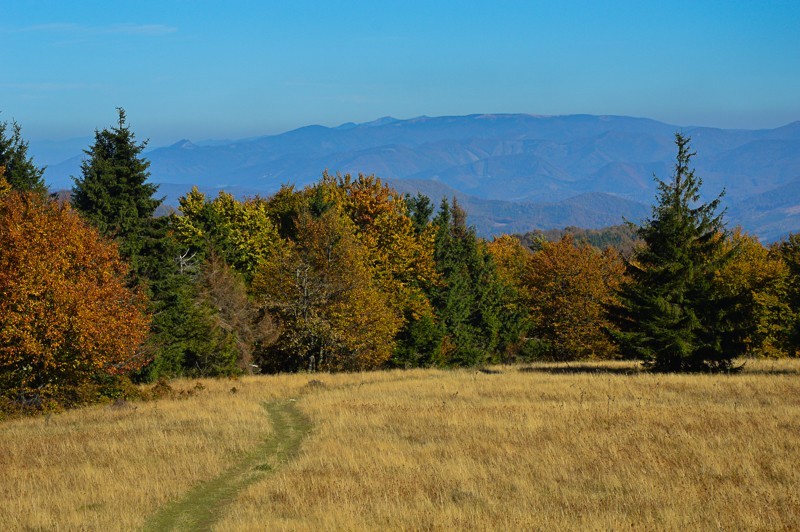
point(66, 315)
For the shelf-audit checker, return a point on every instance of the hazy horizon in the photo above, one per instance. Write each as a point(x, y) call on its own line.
point(203, 70)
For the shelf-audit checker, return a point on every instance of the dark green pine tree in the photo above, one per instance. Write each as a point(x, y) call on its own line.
point(670, 314)
point(419, 342)
point(420, 210)
point(113, 193)
point(470, 304)
point(20, 173)
point(185, 337)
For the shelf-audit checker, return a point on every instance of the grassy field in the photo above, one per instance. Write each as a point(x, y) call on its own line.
point(553, 447)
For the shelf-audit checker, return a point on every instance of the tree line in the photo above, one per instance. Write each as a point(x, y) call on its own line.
point(348, 275)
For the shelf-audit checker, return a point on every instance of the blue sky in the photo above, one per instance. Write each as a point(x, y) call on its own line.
point(199, 69)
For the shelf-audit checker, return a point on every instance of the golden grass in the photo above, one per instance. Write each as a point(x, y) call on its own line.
point(429, 449)
point(110, 468)
point(538, 450)
point(107, 467)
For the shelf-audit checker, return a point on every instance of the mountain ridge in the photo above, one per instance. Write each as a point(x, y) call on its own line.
point(532, 160)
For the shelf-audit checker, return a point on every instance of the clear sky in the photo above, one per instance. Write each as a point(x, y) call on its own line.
point(200, 69)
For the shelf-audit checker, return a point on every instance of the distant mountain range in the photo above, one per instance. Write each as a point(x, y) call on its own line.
point(512, 172)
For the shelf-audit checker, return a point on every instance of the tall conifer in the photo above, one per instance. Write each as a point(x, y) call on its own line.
point(470, 301)
point(671, 315)
point(113, 192)
point(20, 172)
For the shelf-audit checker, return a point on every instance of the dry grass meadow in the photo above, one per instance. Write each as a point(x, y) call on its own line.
point(592, 446)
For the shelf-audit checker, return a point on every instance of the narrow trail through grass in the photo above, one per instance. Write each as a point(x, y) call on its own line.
point(202, 506)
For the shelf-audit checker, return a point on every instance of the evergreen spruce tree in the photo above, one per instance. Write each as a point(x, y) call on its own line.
point(470, 304)
point(670, 314)
point(420, 210)
point(113, 193)
point(20, 173)
point(186, 336)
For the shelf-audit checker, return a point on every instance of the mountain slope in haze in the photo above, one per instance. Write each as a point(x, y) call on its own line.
point(520, 169)
point(495, 217)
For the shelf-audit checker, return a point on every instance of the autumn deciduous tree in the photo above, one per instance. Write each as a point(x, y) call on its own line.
point(5, 186)
point(330, 309)
point(400, 256)
point(66, 315)
point(755, 281)
point(568, 287)
point(239, 232)
point(511, 258)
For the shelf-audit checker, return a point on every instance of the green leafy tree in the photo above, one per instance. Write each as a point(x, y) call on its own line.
point(240, 232)
point(671, 314)
point(20, 173)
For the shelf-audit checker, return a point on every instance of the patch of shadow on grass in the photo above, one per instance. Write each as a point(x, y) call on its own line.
point(567, 369)
point(204, 504)
point(770, 371)
point(315, 384)
point(582, 369)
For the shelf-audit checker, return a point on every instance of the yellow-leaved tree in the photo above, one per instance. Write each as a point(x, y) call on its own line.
point(511, 258)
point(330, 309)
point(755, 281)
point(240, 232)
point(397, 258)
point(401, 258)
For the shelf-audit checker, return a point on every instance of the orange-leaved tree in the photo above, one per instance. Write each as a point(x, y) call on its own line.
point(401, 258)
point(568, 288)
point(66, 315)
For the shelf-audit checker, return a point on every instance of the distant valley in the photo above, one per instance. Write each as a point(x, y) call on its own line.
point(512, 172)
